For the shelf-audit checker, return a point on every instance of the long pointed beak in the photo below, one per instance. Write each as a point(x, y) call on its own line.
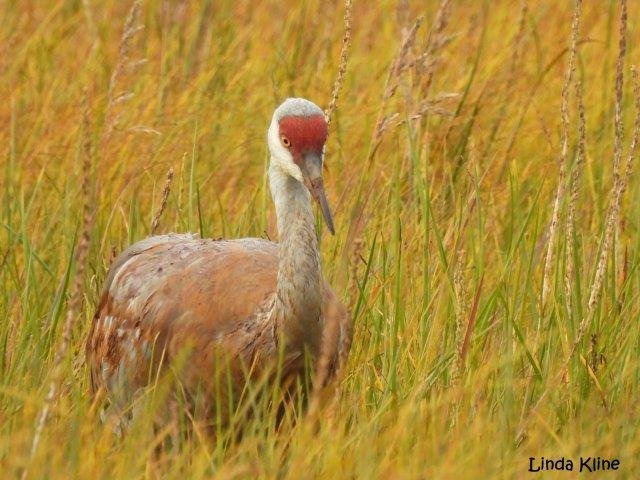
point(312, 173)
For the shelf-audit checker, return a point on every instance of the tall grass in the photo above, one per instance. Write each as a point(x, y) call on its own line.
point(442, 169)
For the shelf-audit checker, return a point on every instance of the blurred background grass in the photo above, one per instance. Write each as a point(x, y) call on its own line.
point(442, 225)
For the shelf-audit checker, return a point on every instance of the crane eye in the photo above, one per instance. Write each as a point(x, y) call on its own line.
point(286, 142)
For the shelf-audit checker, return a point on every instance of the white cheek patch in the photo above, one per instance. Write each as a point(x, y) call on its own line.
point(280, 156)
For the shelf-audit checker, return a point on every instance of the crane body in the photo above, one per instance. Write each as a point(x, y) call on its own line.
point(237, 310)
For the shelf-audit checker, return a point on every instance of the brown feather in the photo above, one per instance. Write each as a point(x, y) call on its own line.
point(170, 294)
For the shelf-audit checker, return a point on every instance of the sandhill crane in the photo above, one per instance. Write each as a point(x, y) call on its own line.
point(237, 305)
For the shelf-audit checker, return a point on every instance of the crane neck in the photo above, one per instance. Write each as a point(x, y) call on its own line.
point(298, 303)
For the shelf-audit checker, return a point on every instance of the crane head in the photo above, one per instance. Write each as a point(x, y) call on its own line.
point(296, 139)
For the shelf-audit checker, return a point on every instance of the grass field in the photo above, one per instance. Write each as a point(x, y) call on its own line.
point(443, 166)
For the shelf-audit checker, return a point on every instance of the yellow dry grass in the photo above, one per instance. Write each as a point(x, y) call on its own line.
point(442, 169)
